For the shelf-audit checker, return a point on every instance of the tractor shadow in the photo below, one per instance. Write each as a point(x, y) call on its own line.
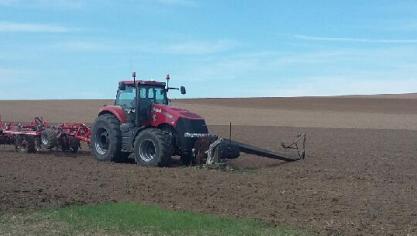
point(173, 163)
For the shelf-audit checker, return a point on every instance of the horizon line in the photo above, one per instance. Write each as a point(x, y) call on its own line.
point(249, 97)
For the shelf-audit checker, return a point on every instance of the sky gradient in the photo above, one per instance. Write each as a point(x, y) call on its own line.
point(73, 49)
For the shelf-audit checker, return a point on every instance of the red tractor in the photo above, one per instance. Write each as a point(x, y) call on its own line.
point(142, 125)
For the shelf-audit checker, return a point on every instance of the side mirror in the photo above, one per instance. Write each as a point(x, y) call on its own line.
point(182, 89)
point(122, 86)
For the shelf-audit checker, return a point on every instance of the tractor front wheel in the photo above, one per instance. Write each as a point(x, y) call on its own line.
point(106, 138)
point(153, 148)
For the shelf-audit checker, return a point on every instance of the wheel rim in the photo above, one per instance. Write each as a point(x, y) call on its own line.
point(44, 140)
point(147, 150)
point(102, 141)
point(22, 147)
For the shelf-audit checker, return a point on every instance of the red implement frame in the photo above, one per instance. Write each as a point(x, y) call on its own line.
point(79, 131)
point(13, 132)
point(33, 128)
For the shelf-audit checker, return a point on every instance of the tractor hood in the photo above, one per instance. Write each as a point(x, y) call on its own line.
point(160, 114)
point(175, 113)
point(183, 121)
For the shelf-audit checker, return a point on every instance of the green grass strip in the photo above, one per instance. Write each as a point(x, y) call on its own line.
point(134, 219)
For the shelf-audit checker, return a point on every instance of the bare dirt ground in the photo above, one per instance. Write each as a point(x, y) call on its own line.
point(355, 181)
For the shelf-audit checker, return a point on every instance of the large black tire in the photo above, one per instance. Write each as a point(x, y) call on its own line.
point(106, 138)
point(49, 138)
point(153, 148)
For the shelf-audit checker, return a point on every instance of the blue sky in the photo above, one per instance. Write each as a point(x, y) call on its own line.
point(59, 49)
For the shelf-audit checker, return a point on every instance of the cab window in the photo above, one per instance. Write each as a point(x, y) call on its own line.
point(125, 98)
point(155, 94)
point(143, 92)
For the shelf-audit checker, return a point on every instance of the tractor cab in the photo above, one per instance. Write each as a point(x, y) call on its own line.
point(136, 97)
point(128, 92)
point(152, 91)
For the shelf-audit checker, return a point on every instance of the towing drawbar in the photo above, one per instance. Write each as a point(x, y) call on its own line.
point(211, 149)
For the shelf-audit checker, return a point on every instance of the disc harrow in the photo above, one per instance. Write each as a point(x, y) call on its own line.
point(39, 135)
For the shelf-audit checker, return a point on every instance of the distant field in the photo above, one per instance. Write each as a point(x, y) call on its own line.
point(378, 112)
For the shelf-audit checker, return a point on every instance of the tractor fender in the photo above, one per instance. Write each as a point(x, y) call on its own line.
point(117, 111)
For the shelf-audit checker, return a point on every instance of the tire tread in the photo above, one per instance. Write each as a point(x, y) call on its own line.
point(164, 144)
point(115, 134)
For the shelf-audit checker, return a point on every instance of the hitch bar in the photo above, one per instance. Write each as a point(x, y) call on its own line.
point(212, 141)
point(289, 157)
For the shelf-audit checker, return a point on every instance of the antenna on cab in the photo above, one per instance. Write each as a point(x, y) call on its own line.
point(167, 78)
point(134, 78)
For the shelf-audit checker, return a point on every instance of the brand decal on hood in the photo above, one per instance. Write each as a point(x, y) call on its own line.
point(158, 110)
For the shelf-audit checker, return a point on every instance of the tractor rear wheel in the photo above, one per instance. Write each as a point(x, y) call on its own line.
point(106, 138)
point(153, 148)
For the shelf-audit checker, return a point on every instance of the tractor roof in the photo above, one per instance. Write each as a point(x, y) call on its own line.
point(143, 82)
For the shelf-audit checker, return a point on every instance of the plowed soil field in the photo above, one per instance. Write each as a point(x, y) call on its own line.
point(359, 178)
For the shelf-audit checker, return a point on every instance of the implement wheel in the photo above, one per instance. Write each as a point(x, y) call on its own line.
point(25, 143)
point(49, 138)
point(153, 148)
point(74, 144)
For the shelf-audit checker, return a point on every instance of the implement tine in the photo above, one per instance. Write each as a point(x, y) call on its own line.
point(298, 144)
